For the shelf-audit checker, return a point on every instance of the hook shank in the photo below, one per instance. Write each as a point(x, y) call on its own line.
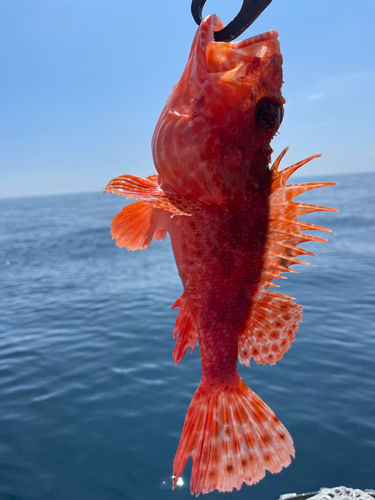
point(250, 10)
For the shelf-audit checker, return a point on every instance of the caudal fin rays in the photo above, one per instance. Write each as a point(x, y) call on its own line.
point(233, 438)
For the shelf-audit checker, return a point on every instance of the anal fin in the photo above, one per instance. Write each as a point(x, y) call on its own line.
point(185, 329)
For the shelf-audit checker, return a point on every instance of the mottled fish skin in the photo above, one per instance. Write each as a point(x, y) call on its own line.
point(218, 255)
point(206, 144)
point(233, 225)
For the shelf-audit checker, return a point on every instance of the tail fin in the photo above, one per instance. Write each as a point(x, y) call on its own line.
point(232, 437)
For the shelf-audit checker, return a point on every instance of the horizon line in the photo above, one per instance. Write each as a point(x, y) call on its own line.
point(40, 195)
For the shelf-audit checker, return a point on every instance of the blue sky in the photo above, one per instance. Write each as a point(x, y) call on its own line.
point(82, 84)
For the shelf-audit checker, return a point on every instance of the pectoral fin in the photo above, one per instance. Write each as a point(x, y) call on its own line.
point(148, 190)
point(134, 227)
point(136, 224)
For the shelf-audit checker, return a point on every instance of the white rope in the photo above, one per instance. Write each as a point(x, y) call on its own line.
point(341, 493)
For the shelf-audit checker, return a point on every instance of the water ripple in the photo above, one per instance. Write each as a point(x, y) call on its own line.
point(92, 402)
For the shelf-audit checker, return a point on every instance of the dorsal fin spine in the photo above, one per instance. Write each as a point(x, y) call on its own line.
point(274, 317)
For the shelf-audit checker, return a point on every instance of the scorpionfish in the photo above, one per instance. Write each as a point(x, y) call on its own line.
point(234, 228)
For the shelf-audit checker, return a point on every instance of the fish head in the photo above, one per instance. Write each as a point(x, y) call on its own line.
point(212, 140)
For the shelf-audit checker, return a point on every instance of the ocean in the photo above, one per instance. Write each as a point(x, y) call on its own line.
point(92, 405)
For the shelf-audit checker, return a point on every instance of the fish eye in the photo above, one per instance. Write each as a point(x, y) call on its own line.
point(267, 113)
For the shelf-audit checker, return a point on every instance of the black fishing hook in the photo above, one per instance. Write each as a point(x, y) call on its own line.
point(250, 10)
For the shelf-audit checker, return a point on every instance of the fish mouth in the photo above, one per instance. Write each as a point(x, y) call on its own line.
point(227, 56)
point(216, 24)
point(263, 37)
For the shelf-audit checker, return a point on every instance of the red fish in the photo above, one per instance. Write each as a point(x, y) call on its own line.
point(233, 227)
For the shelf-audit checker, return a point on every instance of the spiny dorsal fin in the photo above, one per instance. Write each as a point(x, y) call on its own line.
point(274, 318)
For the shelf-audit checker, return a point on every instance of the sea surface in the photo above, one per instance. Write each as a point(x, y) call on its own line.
point(91, 403)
